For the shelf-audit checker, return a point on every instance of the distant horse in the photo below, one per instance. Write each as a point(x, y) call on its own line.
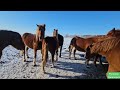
point(114, 33)
point(80, 44)
point(109, 48)
point(11, 38)
point(34, 41)
point(50, 44)
point(61, 40)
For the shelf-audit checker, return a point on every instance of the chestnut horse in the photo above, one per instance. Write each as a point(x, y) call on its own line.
point(109, 48)
point(80, 44)
point(114, 33)
point(11, 38)
point(34, 41)
point(50, 44)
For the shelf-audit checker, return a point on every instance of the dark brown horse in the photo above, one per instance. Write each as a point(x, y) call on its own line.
point(11, 38)
point(50, 44)
point(114, 33)
point(61, 40)
point(80, 44)
point(34, 41)
point(109, 48)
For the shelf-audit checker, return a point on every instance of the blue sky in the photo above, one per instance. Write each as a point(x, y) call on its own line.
point(67, 22)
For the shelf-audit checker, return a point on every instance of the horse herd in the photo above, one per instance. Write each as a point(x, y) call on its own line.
point(95, 47)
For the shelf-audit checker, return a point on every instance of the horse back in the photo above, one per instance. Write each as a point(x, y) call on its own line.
point(11, 38)
point(28, 39)
point(52, 43)
point(61, 39)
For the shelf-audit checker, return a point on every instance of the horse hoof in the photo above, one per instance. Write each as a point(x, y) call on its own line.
point(34, 65)
point(44, 72)
point(52, 66)
point(24, 60)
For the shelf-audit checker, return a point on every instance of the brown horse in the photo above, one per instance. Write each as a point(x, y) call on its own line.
point(80, 44)
point(109, 48)
point(50, 44)
point(61, 40)
point(114, 33)
point(11, 38)
point(34, 41)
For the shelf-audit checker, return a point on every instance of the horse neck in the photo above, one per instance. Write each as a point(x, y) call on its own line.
point(37, 35)
point(55, 35)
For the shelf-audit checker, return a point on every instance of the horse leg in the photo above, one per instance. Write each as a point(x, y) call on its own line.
point(35, 53)
point(0, 53)
point(60, 51)
point(44, 60)
point(52, 59)
point(26, 50)
point(87, 62)
point(24, 60)
point(95, 60)
point(70, 50)
point(56, 55)
point(74, 53)
point(100, 61)
point(44, 57)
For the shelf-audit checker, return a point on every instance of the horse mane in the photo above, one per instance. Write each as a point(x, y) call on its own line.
point(105, 45)
point(117, 31)
point(114, 32)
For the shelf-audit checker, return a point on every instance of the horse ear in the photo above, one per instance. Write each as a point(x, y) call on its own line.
point(37, 25)
point(44, 25)
point(113, 29)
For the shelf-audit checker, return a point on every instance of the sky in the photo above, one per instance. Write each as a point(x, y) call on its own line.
point(67, 22)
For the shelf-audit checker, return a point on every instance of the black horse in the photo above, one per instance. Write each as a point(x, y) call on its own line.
point(61, 40)
point(11, 38)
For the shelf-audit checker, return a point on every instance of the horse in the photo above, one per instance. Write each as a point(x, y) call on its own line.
point(50, 44)
point(61, 40)
point(114, 33)
point(80, 44)
point(8, 37)
point(110, 48)
point(34, 41)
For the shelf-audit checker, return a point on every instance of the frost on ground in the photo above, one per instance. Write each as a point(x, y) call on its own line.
point(12, 66)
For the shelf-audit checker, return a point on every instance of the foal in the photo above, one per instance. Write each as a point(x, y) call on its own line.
point(34, 41)
point(50, 44)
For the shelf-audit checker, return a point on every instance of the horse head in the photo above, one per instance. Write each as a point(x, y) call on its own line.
point(88, 51)
point(40, 33)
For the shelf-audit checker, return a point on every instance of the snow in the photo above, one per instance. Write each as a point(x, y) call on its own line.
point(13, 67)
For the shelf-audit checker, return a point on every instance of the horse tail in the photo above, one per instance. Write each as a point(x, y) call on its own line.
point(73, 41)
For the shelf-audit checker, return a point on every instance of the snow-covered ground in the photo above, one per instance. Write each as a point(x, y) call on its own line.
point(12, 66)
